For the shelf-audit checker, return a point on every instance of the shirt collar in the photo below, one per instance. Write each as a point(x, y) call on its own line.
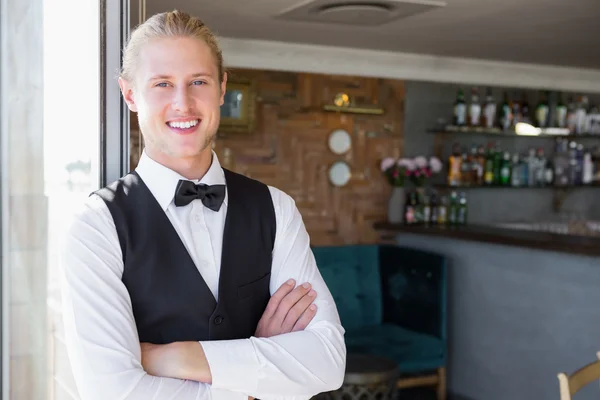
point(162, 181)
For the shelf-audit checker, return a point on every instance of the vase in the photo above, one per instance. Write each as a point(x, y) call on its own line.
point(396, 205)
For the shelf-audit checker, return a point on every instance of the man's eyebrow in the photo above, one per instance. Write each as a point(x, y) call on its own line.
point(196, 75)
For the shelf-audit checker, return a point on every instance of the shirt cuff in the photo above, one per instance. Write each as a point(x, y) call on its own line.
point(233, 364)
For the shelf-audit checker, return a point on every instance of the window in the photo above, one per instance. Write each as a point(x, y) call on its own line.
point(55, 129)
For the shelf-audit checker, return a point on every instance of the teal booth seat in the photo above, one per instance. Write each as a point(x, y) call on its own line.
point(391, 301)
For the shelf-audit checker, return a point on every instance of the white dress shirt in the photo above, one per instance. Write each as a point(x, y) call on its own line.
point(101, 335)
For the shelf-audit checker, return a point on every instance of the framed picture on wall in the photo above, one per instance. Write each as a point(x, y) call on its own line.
point(238, 112)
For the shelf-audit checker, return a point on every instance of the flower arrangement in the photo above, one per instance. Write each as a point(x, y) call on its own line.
point(417, 170)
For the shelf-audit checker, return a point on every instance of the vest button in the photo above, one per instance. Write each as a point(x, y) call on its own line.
point(218, 320)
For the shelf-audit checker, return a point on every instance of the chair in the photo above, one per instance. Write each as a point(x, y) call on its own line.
point(392, 303)
point(571, 384)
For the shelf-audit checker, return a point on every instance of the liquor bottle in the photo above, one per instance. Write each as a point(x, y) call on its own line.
point(419, 209)
point(561, 162)
point(540, 177)
point(409, 208)
point(525, 111)
point(489, 110)
point(474, 166)
point(561, 113)
point(531, 168)
point(579, 165)
point(581, 115)
point(596, 162)
point(465, 170)
point(549, 173)
point(480, 165)
point(453, 209)
point(573, 163)
point(542, 111)
point(443, 211)
point(593, 120)
point(475, 108)
point(434, 209)
point(462, 209)
point(426, 209)
point(454, 166)
point(460, 109)
point(517, 173)
point(517, 115)
point(497, 164)
point(588, 169)
point(505, 117)
point(571, 116)
point(489, 166)
point(505, 169)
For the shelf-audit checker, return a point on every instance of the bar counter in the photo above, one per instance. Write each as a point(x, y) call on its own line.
point(566, 243)
point(522, 306)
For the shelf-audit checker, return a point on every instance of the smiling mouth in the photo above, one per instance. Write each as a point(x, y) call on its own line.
point(184, 125)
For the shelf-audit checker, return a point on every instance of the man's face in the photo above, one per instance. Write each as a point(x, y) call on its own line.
point(177, 95)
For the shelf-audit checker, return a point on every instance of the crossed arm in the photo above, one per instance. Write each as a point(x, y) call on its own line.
point(108, 360)
point(290, 309)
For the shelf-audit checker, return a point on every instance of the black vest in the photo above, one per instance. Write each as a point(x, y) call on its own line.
point(171, 301)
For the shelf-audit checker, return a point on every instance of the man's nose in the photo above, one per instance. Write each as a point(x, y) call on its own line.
point(182, 101)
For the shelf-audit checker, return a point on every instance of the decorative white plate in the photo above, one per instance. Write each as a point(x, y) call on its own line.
point(339, 141)
point(339, 173)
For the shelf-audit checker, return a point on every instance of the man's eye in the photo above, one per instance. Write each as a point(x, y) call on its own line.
point(199, 83)
point(162, 84)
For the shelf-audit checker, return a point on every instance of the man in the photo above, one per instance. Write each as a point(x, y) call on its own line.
point(147, 258)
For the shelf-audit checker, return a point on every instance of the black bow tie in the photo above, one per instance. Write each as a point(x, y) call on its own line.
point(211, 196)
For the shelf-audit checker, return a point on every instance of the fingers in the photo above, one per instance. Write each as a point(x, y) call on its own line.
point(297, 311)
point(305, 319)
point(277, 297)
point(290, 300)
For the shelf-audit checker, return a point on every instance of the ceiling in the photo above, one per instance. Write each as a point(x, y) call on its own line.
point(551, 32)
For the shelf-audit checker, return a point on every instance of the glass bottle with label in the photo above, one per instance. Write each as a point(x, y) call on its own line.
point(409, 208)
point(581, 115)
point(465, 170)
point(426, 209)
point(561, 162)
point(517, 115)
point(532, 166)
point(460, 109)
point(542, 111)
point(453, 209)
point(462, 209)
point(443, 211)
point(561, 113)
point(540, 177)
point(455, 166)
point(571, 116)
point(489, 110)
point(489, 165)
point(506, 117)
point(434, 209)
point(497, 163)
point(505, 169)
point(475, 109)
point(525, 111)
point(517, 174)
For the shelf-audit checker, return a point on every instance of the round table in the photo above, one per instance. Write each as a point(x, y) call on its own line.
point(368, 377)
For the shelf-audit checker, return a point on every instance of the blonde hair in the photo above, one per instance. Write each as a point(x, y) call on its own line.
point(168, 24)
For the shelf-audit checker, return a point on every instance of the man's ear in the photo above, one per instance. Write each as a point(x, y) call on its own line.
point(223, 88)
point(127, 91)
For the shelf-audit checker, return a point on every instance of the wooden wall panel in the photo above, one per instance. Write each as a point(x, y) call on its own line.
point(288, 149)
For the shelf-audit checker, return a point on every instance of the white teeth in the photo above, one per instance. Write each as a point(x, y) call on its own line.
point(184, 125)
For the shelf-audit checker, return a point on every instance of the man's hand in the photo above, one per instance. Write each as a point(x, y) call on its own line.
point(289, 310)
point(179, 360)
